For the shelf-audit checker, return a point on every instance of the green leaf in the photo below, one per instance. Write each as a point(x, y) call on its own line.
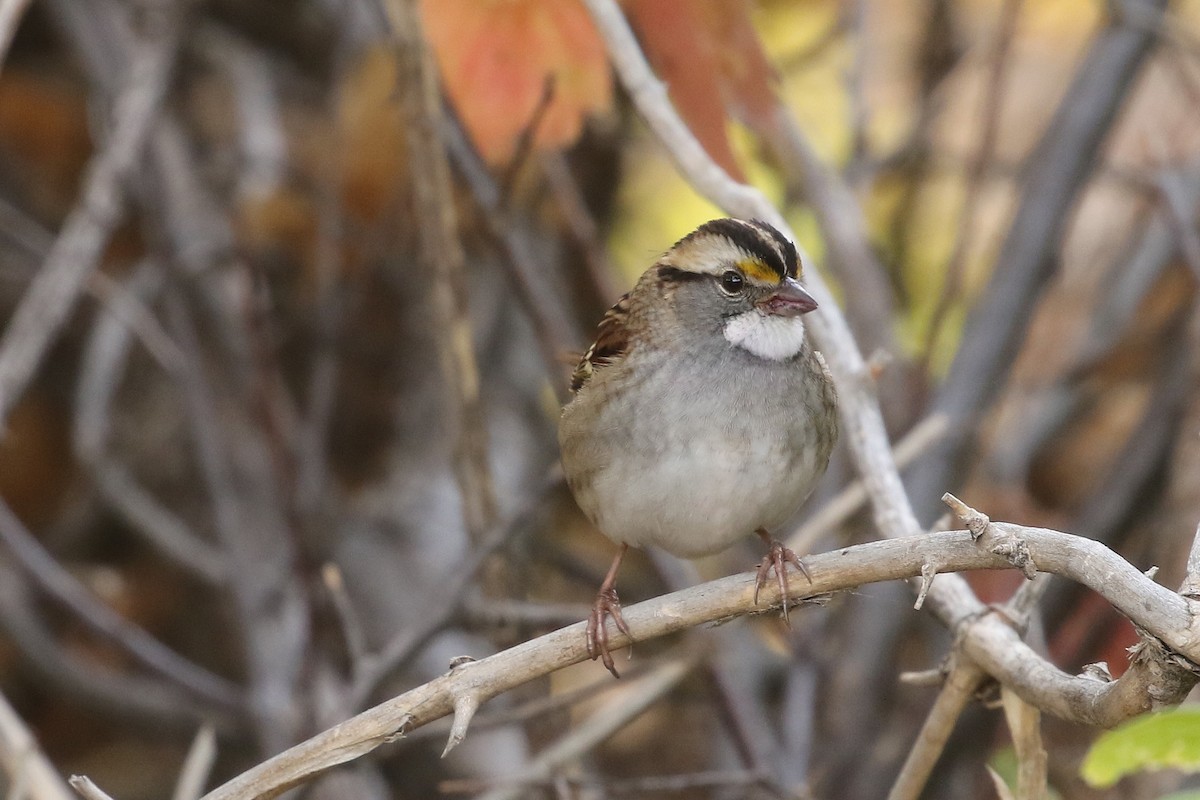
point(1156, 741)
point(1189, 794)
point(1003, 767)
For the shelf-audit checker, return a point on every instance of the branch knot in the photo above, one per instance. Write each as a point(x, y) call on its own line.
point(1004, 543)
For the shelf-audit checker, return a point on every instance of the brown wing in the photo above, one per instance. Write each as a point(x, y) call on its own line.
point(612, 342)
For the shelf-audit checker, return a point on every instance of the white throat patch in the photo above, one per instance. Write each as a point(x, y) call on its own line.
point(766, 335)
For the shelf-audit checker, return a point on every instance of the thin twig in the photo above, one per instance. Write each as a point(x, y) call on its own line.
point(271, 601)
point(1191, 582)
point(331, 321)
point(104, 365)
point(613, 716)
point(354, 636)
point(854, 25)
point(118, 695)
point(86, 789)
point(847, 502)
point(1024, 723)
point(1181, 202)
point(498, 613)
point(124, 302)
point(11, 12)
point(92, 611)
point(397, 652)
point(581, 227)
point(843, 227)
point(170, 535)
point(49, 301)
point(29, 772)
point(963, 680)
point(1024, 601)
point(532, 709)
point(992, 103)
point(197, 765)
point(524, 146)
point(1056, 173)
point(551, 328)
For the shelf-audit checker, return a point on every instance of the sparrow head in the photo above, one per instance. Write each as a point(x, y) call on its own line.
point(738, 277)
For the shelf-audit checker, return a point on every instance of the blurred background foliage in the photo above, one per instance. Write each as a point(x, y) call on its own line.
point(249, 392)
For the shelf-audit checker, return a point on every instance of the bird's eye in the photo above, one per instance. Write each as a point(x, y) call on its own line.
point(733, 282)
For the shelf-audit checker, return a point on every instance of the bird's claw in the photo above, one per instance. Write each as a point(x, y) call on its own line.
point(605, 605)
point(777, 558)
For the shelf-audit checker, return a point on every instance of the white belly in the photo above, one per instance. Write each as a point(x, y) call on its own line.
point(693, 466)
point(701, 500)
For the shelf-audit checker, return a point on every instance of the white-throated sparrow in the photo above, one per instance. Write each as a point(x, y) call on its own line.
point(701, 414)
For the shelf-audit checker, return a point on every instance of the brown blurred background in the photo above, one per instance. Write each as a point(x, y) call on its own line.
point(244, 440)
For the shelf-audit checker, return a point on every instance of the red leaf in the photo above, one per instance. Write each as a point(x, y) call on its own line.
point(495, 57)
point(710, 57)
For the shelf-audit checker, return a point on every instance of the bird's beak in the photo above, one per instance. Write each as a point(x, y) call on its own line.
point(789, 300)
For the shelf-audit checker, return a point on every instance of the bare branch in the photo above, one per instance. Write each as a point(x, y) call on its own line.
point(29, 772)
point(104, 365)
point(630, 787)
point(847, 502)
point(1055, 174)
point(11, 12)
point(354, 635)
point(1191, 583)
point(632, 701)
point(989, 642)
point(87, 683)
point(962, 681)
point(1154, 680)
point(271, 599)
point(77, 250)
point(581, 227)
point(553, 331)
point(86, 789)
point(64, 588)
point(870, 306)
point(1024, 723)
point(498, 613)
point(442, 254)
point(158, 525)
point(989, 125)
point(396, 652)
point(197, 765)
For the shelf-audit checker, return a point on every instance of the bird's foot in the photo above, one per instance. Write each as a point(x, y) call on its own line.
point(777, 558)
point(605, 605)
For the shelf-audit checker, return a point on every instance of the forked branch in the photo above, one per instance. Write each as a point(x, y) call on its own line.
point(1157, 610)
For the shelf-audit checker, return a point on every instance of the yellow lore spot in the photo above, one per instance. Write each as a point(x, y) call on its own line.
point(758, 271)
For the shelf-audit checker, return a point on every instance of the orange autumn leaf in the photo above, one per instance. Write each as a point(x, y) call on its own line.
point(496, 56)
point(712, 61)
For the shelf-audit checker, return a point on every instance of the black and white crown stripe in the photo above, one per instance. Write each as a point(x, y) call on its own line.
point(756, 238)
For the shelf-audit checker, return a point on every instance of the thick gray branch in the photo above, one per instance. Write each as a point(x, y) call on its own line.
point(1157, 610)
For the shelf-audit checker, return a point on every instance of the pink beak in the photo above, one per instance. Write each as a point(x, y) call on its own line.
point(789, 300)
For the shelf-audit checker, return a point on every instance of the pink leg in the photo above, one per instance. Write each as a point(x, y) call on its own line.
point(777, 558)
point(606, 605)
